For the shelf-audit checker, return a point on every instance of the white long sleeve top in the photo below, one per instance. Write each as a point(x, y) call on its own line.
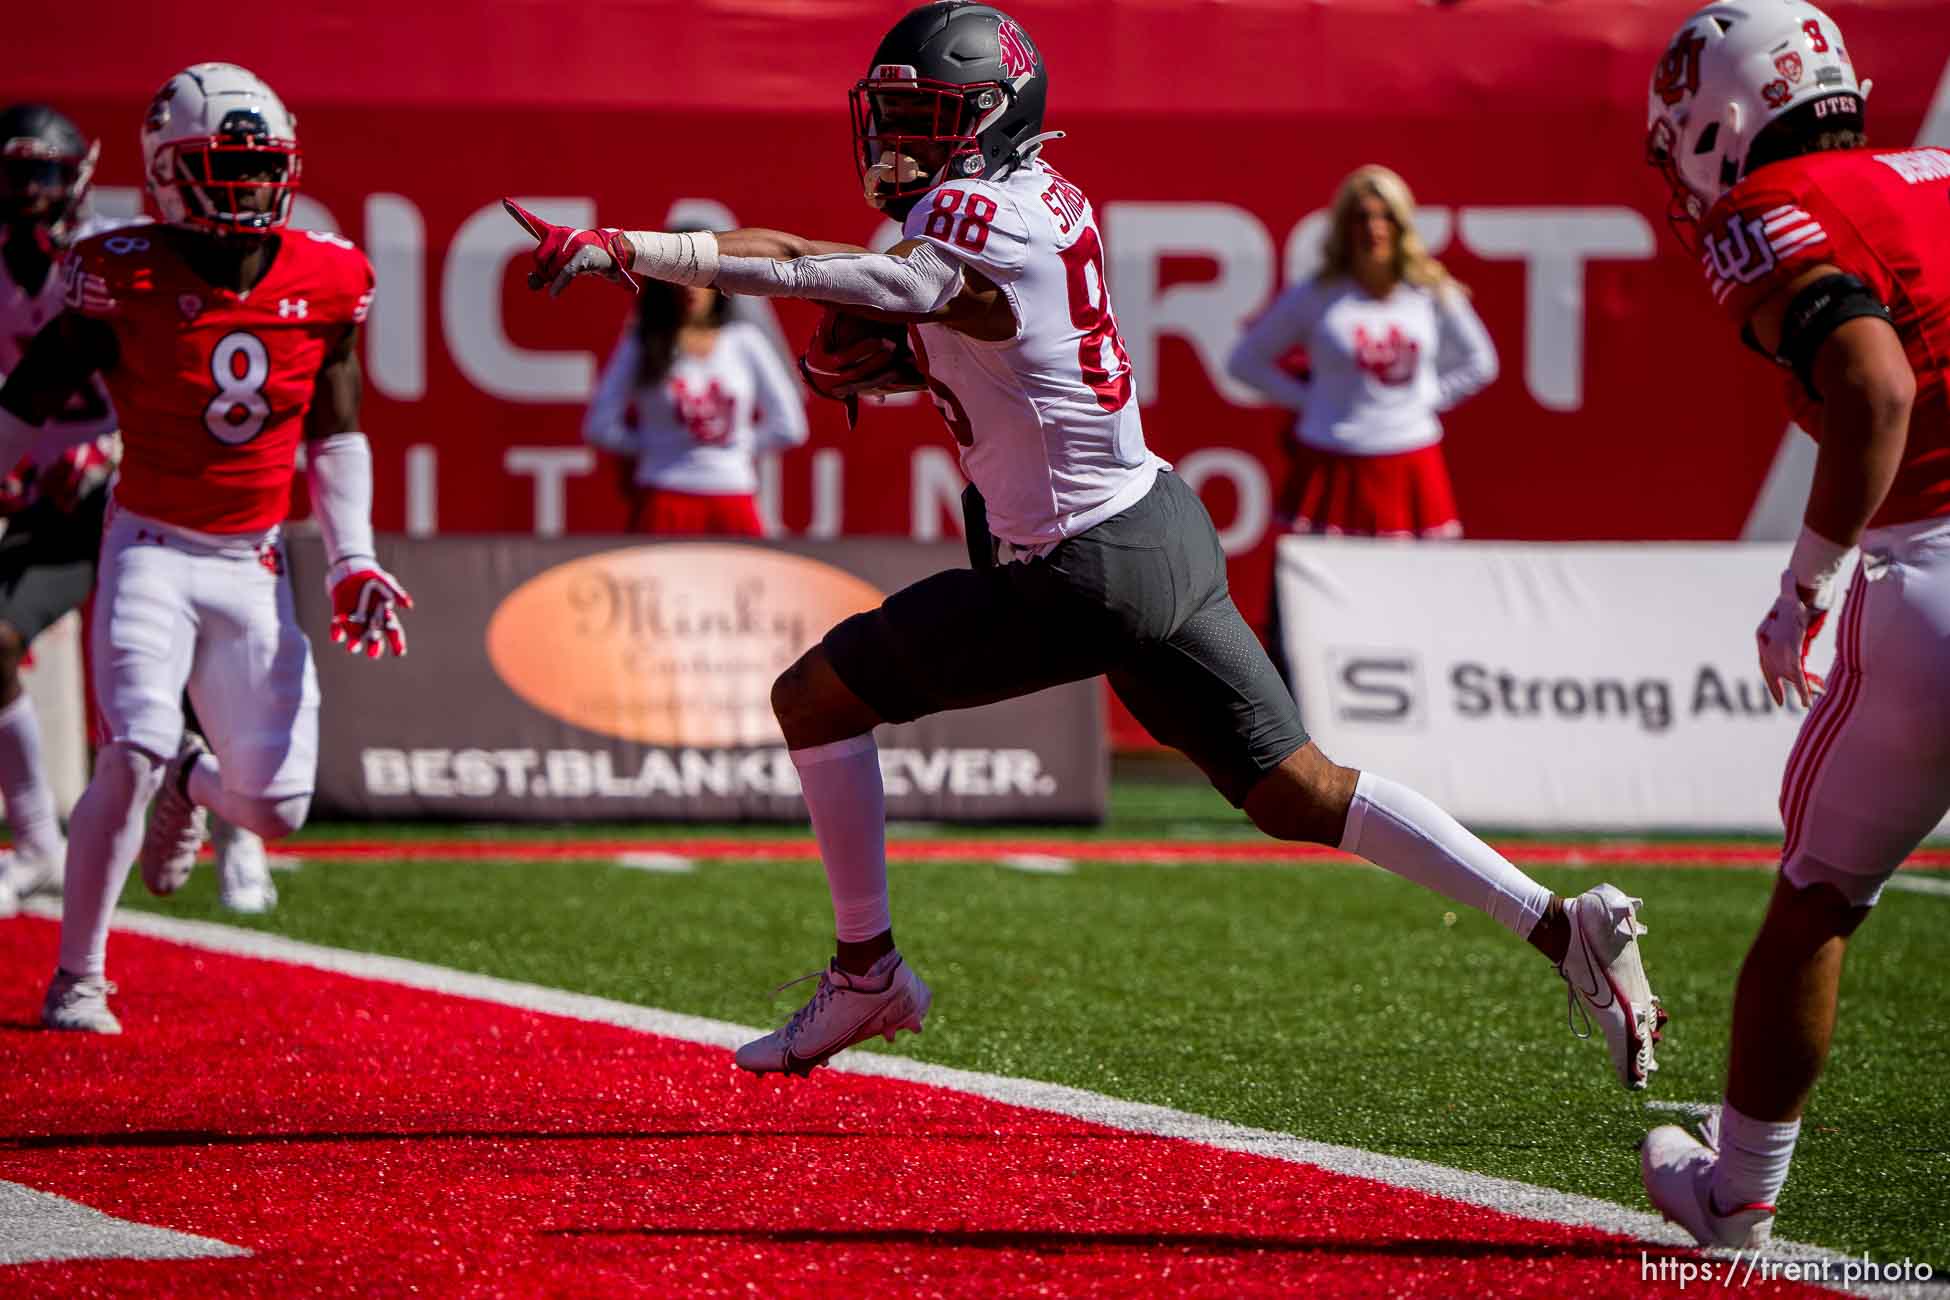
point(1382, 367)
point(701, 428)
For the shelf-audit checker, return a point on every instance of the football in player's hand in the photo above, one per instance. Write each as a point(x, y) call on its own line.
point(851, 355)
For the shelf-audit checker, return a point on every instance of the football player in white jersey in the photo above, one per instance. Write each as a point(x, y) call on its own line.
point(52, 500)
point(1100, 559)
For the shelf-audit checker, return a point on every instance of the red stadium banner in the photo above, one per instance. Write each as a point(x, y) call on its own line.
point(1209, 138)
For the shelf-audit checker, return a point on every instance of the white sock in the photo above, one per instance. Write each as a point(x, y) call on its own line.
point(849, 816)
point(1395, 828)
point(1754, 1159)
point(103, 838)
point(23, 781)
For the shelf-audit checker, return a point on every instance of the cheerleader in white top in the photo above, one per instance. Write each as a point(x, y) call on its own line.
point(690, 399)
point(1390, 340)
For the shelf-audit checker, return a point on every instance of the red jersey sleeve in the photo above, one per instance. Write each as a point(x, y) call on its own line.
point(100, 274)
point(1768, 230)
point(343, 276)
point(1757, 241)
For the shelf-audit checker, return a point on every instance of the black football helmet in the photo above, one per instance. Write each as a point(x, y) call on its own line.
point(955, 92)
point(46, 165)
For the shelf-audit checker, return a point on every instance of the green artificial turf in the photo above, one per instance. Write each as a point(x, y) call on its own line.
point(1331, 1002)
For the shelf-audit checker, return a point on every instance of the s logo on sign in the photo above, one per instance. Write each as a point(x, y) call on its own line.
point(1377, 687)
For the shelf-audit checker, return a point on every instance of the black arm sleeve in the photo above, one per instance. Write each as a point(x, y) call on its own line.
point(1815, 313)
point(57, 365)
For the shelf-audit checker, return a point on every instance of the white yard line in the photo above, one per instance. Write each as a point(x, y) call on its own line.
point(667, 863)
point(1524, 1200)
point(1040, 864)
point(1910, 882)
point(39, 1227)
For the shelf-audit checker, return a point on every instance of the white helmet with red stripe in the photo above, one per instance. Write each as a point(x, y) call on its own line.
point(1734, 69)
point(220, 152)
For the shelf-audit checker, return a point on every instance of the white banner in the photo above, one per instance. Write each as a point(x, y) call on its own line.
point(1546, 686)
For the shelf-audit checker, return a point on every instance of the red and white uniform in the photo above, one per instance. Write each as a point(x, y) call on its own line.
point(696, 435)
point(212, 388)
point(1046, 422)
point(89, 415)
point(1367, 459)
point(1869, 776)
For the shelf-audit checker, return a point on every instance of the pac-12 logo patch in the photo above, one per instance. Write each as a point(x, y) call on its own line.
point(1018, 56)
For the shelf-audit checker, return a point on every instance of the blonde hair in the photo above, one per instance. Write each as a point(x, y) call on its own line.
point(1414, 264)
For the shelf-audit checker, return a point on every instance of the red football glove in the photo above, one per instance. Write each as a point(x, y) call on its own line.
point(366, 601)
point(78, 471)
point(564, 252)
point(1784, 636)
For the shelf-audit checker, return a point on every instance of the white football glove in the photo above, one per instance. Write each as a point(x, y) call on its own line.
point(366, 601)
point(1784, 637)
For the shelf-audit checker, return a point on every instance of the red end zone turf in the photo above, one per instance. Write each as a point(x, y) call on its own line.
point(364, 1138)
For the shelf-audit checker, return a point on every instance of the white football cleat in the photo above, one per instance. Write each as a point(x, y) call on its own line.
point(79, 1003)
point(1607, 980)
point(846, 1009)
point(243, 869)
point(1678, 1172)
point(177, 826)
point(29, 873)
point(9, 900)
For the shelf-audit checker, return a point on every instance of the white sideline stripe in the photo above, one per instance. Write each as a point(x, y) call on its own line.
point(668, 863)
point(1912, 884)
point(1524, 1200)
point(39, 1227)
point(1043, 864)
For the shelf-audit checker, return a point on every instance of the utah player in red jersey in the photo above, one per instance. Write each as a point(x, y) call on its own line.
point(225, 339)
point(1833, 260)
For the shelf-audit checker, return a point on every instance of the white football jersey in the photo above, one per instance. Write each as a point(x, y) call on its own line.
point(1047, 421)
point(22, 315)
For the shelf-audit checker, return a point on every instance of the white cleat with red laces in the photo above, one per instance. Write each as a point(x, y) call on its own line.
point(846, 1009)
point(1607, 980)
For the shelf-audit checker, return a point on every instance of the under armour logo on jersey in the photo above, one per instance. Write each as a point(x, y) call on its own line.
point(289, 308)
point(190, 305)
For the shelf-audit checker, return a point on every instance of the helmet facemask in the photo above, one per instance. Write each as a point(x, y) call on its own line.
point(238, 182)
point(911, 134)
point(1685, 210)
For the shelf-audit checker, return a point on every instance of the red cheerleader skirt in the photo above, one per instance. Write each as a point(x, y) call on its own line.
point(1406, 494)
point(695, 514)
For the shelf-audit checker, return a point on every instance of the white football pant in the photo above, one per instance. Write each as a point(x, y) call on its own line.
point(1869, 775)
point(175, 608)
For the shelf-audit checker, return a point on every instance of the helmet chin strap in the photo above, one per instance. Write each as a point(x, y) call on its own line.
point(1035, 142)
